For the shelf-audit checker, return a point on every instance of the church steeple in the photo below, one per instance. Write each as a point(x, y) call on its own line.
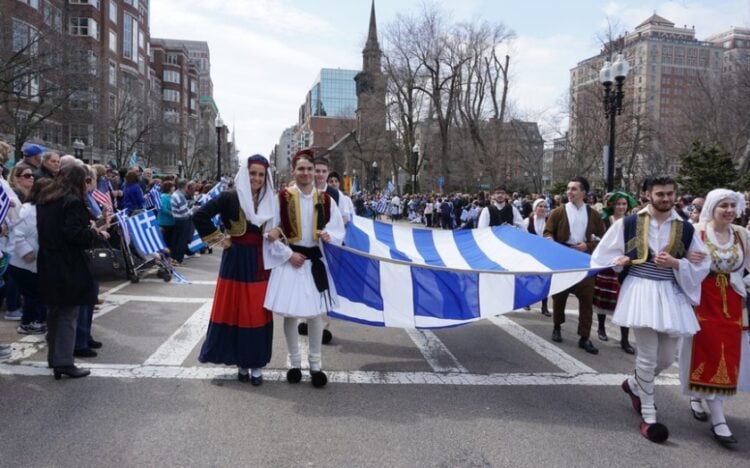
point(371, 53)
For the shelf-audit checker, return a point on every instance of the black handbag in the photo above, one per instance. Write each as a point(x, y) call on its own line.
point(106, 263)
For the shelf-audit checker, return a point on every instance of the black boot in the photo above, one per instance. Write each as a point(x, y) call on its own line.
point(624, 343)
point(602, 331)
point(545, 309)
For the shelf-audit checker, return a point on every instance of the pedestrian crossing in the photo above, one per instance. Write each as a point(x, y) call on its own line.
point(174, 357)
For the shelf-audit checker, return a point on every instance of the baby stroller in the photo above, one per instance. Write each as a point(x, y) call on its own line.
point(143, 247)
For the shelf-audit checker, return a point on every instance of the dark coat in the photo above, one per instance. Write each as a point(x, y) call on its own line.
point(64, 233)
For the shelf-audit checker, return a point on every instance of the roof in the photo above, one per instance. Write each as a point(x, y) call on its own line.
point(656, 19)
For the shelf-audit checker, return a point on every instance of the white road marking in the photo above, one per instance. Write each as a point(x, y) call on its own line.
point(123, 371)
point(122, 298)
point(116, 288)
point(548, 351)
point(106, 308)
point(176, 349)
point(199, 282)
point(27, 347)
point(437, 355)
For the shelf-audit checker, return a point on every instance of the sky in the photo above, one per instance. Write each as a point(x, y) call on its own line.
point(265, 54)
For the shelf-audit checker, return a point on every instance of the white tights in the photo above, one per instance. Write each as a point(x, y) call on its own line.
point(655, 352)
point(314, 338)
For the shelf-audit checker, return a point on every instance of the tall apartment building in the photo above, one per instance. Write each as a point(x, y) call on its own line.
point(329, 111)
point(664, 60)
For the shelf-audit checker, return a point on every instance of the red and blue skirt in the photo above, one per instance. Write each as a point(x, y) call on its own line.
point(240, 331)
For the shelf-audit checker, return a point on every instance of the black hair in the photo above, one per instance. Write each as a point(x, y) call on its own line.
point(649, 183)
point(584, 183)
point(335, 175)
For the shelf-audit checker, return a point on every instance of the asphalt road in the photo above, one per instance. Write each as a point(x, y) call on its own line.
point(494, 393)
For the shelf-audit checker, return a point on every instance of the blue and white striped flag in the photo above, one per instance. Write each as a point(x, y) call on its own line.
point(397, 276)
point(382, 205)
point(122, 218)
point(389, 188)
point(153, 198)
point(133, 161)
point(178, 278)
point(145, 234)
point(4, 204)
point(196, 243)
point(213, 193)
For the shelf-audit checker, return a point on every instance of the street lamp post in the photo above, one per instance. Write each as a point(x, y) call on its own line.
point(179, 168)
point(415, 166)
point(613, 106)
point(78, 147)
point(219, 127)
point(354, 180)
point(374, 176)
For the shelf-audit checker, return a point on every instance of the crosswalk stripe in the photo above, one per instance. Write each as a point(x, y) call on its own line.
point(437, 355)
point(178, 347)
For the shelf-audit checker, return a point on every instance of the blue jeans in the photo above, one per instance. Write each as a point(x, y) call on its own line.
point(28, 285)
point(85, 319)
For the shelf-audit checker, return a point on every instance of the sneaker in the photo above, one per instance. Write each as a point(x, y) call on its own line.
point(14, 314)
point(33, 328)
point(197, 255)
point(5, 351)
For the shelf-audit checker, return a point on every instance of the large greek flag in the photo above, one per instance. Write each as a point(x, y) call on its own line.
point(397, 276)
point(144, 233)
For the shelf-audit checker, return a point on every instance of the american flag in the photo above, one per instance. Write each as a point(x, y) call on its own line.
point(153, 197)
point(4, 204)
point(103, 199)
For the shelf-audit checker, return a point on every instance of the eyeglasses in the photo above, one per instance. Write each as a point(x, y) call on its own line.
point(697, 207)
point(28, 175)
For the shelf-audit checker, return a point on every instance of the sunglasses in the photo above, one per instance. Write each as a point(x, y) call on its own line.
point(27, 176)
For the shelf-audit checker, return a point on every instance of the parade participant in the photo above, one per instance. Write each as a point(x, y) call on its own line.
point(606, 284)
point(321, 179)
point(580, 227)
point(500, 212)
point(345, 203)
point(240, 332)
point(711, 360)
point(665, 264)
point(696, 206)
point(535, 225)
point(300, 286)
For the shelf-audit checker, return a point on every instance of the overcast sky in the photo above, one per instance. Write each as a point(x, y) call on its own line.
point(265, 54)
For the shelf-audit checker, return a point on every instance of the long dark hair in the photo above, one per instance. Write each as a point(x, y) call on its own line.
point(71, 180)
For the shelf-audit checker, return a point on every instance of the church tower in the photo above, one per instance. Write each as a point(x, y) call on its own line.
point(371, 90)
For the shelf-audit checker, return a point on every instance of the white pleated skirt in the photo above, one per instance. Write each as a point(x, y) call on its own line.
point(659, 305)
point(292, 292)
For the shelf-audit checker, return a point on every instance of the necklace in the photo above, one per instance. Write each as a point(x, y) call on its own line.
point(723, 259)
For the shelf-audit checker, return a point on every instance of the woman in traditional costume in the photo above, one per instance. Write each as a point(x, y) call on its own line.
point(713, 360)
point(240, 332)
point(607, 286)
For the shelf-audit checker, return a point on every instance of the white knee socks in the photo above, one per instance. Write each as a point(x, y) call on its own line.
point(315, 340)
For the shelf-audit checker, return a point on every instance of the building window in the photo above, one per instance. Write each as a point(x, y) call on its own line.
point(172, 59)
point(113, 11)
point(84, 27)
point(25, 38)
point(192, 86)
point(112, 41)
point(171, 76)
point(171, 95)
point(52, 16)
point(141, 64)
point(129, 37)
point(141, 40)
point(93, 3)
point(32, 3)
point(131, 2)
point(112, 73)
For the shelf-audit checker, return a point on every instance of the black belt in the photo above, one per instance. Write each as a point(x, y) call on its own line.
point(315, 255)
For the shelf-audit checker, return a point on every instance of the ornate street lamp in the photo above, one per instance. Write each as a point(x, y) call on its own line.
point(613, 106)
point(219, 127)
point(78, 147)
point(179, 168)
point(374, 176)
point(415, 166)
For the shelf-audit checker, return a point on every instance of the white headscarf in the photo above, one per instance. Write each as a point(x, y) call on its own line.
point(717, 195)
point(266, 206)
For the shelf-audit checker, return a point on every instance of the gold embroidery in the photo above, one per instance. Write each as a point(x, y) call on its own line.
point(698, 372)
point(721, 376)
point(676, 248)
point(238, 227)
point(722, 282)
point(639, 243)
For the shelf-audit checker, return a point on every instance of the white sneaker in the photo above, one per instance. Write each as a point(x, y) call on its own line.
point(33, 328)
point(14, 314)
point(197, 254)
point(5, 351)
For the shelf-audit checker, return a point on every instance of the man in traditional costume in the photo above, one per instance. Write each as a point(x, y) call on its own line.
point(712, 361)
point(240, 331)
point(500, 212)
point(300, 286)
point(665, 263)
point(578, 226)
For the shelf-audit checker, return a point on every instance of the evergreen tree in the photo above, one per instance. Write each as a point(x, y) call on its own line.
point(704, 168)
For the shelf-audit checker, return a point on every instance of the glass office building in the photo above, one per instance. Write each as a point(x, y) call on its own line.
point(334, 94)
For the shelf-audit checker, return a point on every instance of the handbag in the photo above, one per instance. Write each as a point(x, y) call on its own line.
point(106, 263)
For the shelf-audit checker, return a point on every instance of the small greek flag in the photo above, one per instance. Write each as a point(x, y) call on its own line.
point(133, 161)
point(382, 205)
point(153, 197)
point(390, 188)
point(4, 204)
point(122, 217)
point(196, 243)
point(213, 193)
point(144, 231)
point(178, 278)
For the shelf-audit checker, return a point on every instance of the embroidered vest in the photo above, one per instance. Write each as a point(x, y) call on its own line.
point(500, 216)
point(641, 258)
point(291, 218)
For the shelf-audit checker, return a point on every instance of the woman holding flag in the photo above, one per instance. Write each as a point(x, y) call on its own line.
point(240, 331)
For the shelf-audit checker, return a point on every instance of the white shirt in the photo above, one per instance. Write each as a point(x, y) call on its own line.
point(346, 207)
point(578, 219)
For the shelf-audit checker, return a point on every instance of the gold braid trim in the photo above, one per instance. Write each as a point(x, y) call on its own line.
point(238, 227)
point(722, 282)
point(213, 237)
point(295, 217)
point(639, 243)
point(676, 248)
point(317, 198)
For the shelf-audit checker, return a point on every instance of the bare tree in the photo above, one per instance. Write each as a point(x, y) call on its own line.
point(128, 123)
